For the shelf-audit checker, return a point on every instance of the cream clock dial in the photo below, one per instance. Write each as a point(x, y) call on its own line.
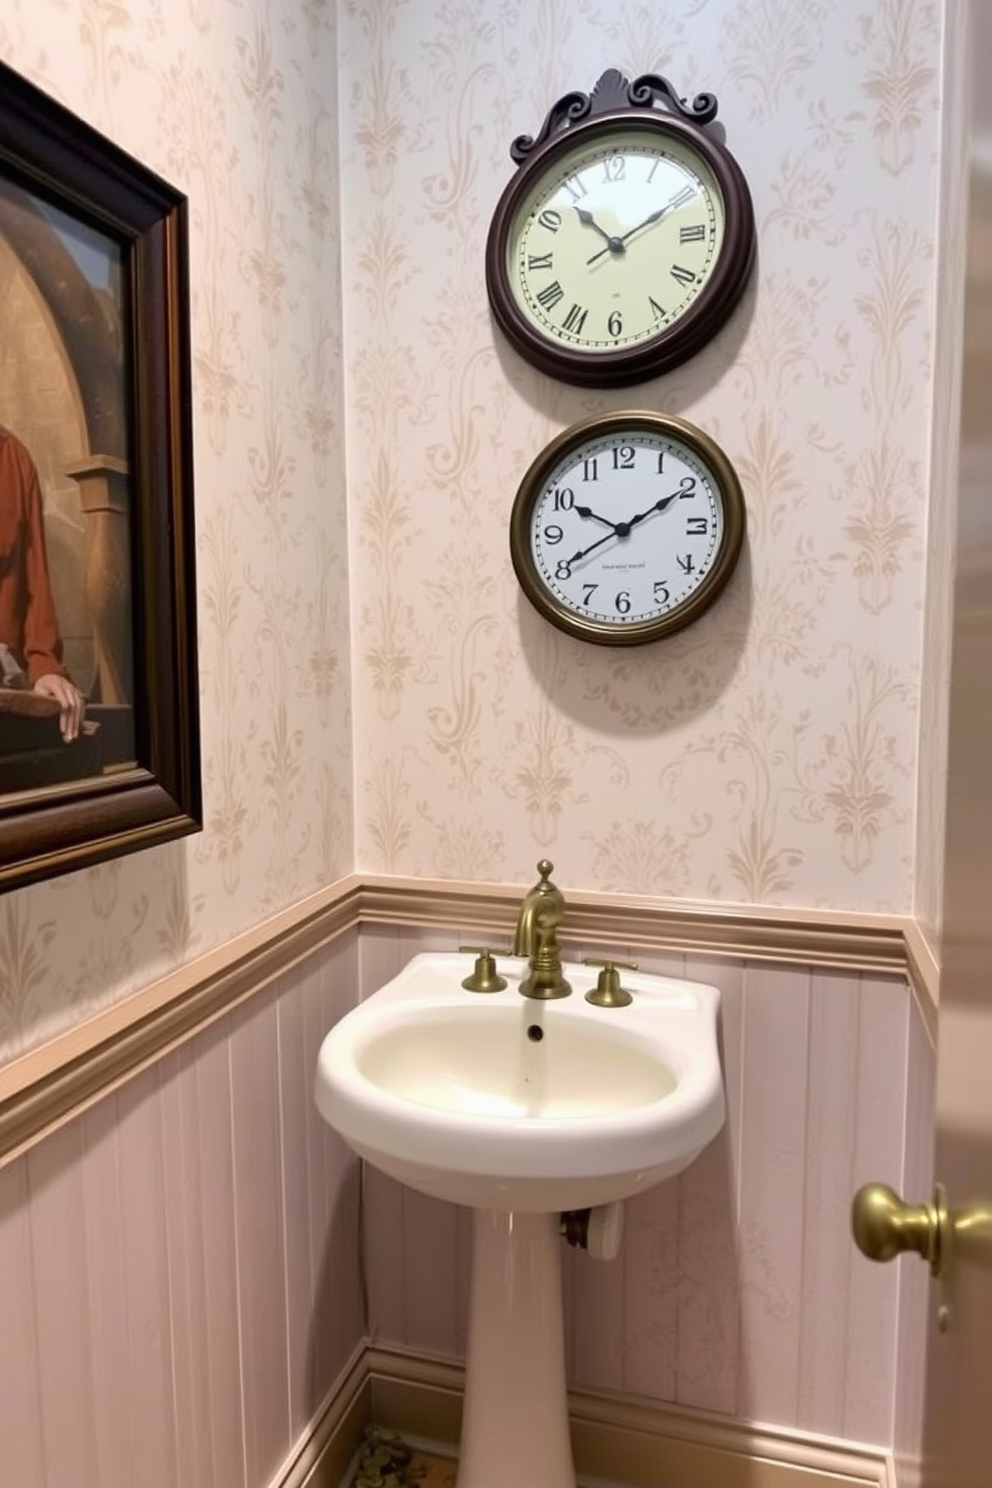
point(627, 527)
point(626, 238)
point(616, 244)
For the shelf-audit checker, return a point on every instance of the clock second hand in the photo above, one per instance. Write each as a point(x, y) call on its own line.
point(620, 529)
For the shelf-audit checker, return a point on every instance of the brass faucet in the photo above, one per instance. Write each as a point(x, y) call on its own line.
point(537, 925)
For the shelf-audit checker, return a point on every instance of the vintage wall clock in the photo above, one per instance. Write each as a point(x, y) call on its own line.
point(627, 527)
point(626, 238)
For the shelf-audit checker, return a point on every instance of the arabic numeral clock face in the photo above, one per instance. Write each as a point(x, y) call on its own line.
point(627, 528)
point(620, 250)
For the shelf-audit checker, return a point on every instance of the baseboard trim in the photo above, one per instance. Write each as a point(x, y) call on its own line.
point(327, 1450)
point(644, 1445)
point(49, 1085)
point(615, 1438)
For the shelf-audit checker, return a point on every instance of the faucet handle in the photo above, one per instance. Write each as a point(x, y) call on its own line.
point(485, 977)
point(608, 991)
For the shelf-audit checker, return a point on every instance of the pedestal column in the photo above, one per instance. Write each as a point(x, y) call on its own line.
point(515, 1426)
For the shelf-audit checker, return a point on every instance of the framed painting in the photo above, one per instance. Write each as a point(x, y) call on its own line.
point(99, 720)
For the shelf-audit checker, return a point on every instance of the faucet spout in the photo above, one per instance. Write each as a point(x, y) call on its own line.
point(536, 937)
point(523, 940)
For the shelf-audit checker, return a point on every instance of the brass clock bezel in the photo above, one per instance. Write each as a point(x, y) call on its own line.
point(570, 443)
point(704, 317)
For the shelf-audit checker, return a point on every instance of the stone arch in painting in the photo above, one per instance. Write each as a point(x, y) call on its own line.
point(63, 393)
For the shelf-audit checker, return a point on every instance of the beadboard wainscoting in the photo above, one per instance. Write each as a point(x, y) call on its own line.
point(189, 1264)
point(180, 1278)
point(738, 1289)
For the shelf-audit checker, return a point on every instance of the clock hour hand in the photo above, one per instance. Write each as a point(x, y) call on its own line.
point(613, 244)
point(587, 511)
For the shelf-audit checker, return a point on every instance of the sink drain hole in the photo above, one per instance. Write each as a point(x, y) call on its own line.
point(535, 1034)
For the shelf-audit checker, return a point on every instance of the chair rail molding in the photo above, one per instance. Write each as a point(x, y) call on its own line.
point(48, 1085)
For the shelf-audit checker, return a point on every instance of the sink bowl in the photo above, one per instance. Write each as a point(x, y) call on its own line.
point(520, 1109)
point(496, 1101)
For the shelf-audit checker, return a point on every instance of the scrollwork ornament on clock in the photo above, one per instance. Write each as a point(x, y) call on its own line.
point(625, 240)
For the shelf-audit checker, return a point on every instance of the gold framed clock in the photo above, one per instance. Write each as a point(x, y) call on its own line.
point(627, 527)
point(625, 240)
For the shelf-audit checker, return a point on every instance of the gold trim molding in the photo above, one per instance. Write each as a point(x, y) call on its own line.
point(47, 1086)
point(619, 1438)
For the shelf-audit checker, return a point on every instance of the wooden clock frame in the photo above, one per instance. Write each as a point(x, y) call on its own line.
point(575, 121)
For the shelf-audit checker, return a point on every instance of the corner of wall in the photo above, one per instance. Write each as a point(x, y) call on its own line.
point(947, 318)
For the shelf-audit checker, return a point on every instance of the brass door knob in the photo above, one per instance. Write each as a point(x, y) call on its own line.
point(884, 1226)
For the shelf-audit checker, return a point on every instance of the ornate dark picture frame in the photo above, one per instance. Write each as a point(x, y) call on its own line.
point(71, 201)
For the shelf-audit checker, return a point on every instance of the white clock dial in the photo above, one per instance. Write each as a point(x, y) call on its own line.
point(627, 528)
point(617, 242)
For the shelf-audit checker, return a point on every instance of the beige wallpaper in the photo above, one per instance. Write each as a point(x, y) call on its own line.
point(768, 754)
point(235, 103)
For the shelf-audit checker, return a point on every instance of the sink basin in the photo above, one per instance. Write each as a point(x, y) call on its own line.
point(521, 1109)
point(500, 1102)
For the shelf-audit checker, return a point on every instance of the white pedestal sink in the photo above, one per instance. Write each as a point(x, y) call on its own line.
point(521, 1109)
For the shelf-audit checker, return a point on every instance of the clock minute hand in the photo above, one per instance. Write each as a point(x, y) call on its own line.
point(652, 217)
point(660, 505)
point(622, 529)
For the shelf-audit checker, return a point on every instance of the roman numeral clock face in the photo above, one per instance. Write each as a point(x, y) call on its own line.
point(627, 527)
point(620, 250)
point(615, 246)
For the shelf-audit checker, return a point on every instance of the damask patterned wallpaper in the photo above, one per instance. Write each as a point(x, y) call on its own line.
point(768, 754)
point(236, 104)
point(945, 445)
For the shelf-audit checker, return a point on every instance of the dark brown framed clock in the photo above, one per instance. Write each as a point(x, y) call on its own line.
point(627, 527)
point(625, 240)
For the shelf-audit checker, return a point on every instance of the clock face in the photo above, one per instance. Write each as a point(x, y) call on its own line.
point(627, 527)
point(620, 248)
point(615, 241)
